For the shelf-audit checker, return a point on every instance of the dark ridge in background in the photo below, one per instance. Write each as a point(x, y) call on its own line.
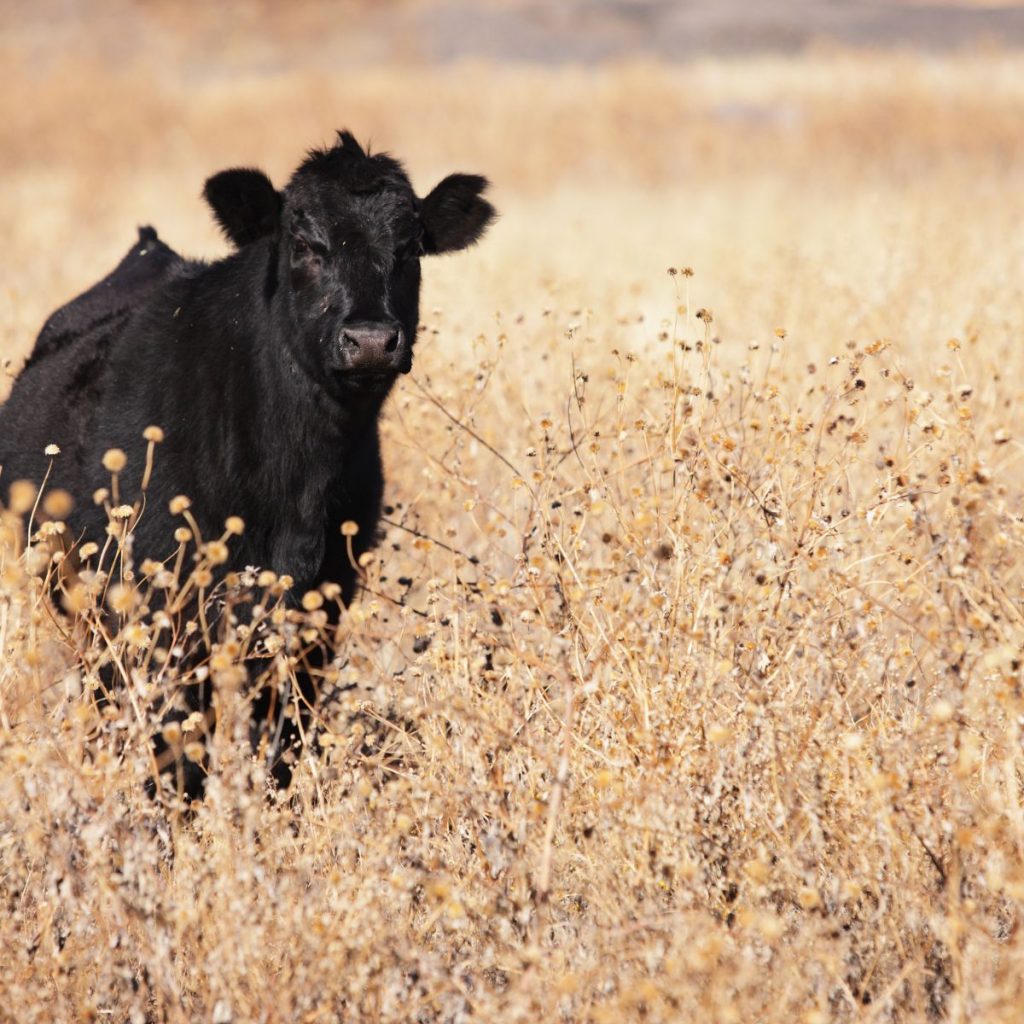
point(263, 35)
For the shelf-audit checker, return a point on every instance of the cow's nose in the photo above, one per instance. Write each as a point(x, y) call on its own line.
point(373, 348)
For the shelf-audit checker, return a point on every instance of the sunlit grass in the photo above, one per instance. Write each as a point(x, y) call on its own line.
point(685, 684)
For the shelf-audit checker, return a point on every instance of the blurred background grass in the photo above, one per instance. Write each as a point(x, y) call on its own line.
point(620, 137)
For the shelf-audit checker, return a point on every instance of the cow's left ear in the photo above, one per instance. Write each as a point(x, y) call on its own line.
point(245, 203)
point(455, 214)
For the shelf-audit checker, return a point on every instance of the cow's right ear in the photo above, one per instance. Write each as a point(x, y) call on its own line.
point(245, 203)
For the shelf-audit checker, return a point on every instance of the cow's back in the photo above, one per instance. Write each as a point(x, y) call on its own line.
point(103, 310)
point(57, 395)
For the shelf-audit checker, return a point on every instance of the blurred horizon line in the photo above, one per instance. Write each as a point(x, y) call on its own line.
point(357, 33)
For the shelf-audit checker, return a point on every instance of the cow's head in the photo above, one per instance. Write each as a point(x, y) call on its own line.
point(348, 234)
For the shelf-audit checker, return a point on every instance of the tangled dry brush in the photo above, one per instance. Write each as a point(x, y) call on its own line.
point(686, 683)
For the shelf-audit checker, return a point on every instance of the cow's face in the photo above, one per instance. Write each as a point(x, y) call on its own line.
point(349, 234)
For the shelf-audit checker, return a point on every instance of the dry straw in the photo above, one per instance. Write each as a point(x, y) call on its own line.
point(685, 683)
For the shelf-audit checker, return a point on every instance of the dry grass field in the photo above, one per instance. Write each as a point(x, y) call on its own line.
point(686, 683)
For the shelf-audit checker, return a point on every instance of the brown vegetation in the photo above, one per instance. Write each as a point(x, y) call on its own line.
point(687, 680)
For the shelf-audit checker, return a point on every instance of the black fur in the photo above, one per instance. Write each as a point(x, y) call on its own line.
point(253, 365)
point(245, 203)
point(454, 214)
point(105, 307)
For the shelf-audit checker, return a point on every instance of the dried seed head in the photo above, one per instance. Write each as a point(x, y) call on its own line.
point(217, 552)
point(122, 598)
point(114, 460)
point(36, 561)
point(76, 600)
point(22, 496)
point(349, 528)
point(154, 434)
point(266, 578)
point(719, 735)
point(312, 600)
point(808, 898)
point(100, 495)
point(235, 525)
point(51, 450)
point(88, 550)
point(58, 503)
point(172, 733)
point(196, 720)
point(136, 635)
point(178, 504)
point(122, 512)
point(182, 534)
point(194, 751)
point(220, 661)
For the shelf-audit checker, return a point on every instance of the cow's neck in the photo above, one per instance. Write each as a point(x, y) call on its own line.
point(298, 438)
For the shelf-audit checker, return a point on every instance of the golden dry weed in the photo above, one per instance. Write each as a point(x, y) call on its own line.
point(686, 684)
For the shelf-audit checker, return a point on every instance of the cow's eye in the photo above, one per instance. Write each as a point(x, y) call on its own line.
point(305, 250)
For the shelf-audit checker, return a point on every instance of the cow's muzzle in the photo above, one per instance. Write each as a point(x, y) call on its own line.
point(373, 348)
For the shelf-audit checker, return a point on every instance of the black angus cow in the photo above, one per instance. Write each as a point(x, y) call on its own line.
point(266, 370)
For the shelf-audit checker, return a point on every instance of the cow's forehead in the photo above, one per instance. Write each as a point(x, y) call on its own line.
point(355, 193)
point(389, 212)
point(352, 171)
point(382, 219)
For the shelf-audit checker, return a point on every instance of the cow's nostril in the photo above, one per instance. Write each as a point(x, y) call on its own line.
point(392, 343)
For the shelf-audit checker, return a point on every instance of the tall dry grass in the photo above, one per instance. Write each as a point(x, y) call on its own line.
point(686, 681)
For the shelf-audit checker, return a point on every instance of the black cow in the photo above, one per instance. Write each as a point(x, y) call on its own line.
point(266, 370)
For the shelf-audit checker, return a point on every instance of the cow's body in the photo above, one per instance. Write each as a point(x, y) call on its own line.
point(266, 370)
